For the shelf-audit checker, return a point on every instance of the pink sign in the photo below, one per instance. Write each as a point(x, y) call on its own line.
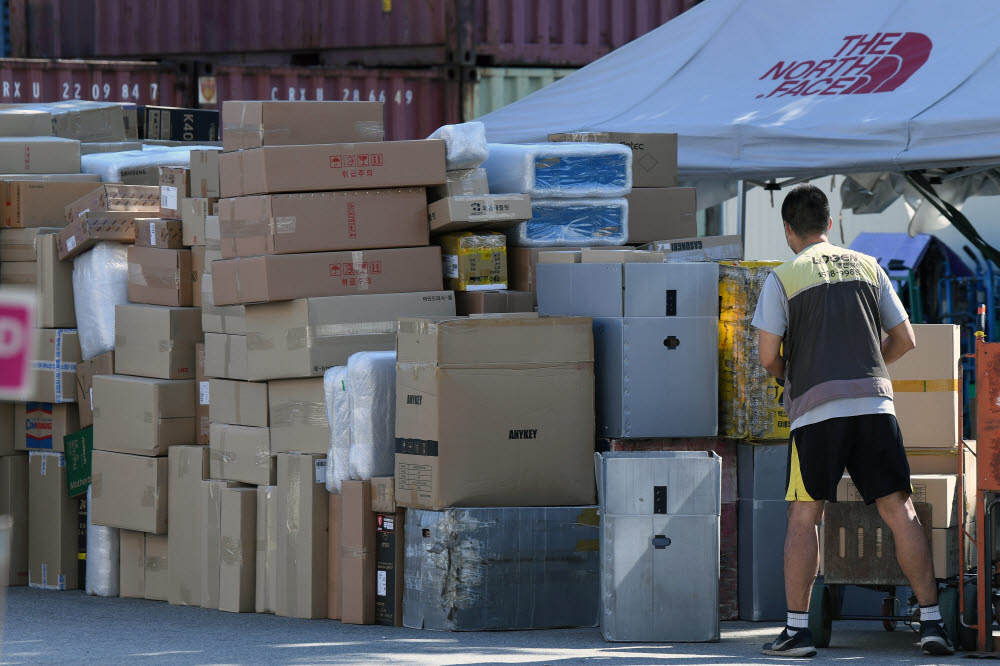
point(17, 315)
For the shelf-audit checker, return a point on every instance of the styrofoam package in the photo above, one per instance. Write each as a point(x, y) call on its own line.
point(110, 166)
point(572, 223)
point(560, 170)
point(465, 144)
point(100, 282)
point(372, 376)
point(102, 557)
point(338, 414)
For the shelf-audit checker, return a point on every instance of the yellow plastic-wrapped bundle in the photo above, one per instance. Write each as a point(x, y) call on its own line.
point(474, 261)
point(748, 395)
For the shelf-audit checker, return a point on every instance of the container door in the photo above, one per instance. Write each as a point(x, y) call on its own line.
point(685, 564)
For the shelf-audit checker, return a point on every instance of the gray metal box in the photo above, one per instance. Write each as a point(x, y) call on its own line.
point(629, 290)
point(481, 569)
point(660, 545)
point(760, 471)
point(657, 376)
point(761, 543)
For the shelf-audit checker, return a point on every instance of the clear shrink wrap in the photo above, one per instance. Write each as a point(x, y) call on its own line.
point(114, 167)
point(100, 282)
point(338, 414)
point(372, 377)
point(465, 145)
point(572, 223)
point(560, 170)
point(102, 557)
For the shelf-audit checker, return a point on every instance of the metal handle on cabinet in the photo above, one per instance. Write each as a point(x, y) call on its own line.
point(660, 542)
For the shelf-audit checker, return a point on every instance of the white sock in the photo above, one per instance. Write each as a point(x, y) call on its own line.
point(930, 613)
point(796, 621)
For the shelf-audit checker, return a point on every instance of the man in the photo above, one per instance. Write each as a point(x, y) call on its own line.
point(819, 321)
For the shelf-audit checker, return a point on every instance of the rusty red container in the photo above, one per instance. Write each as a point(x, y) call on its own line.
point(27, 80)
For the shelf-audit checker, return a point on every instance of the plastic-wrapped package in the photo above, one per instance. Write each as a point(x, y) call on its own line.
point(372, 376)
point(109, 166)
point(573, 223)
point(460, 183)
point(465, 145)
point(474, 261)
point(100, 282)
point(338, 414)
point(560, 170)
point(102, 557)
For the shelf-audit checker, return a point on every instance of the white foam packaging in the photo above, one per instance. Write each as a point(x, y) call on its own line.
point(138, 167)
point(100, 282)
point(573, 223)
point(560, 170)
point(372, 376)
point(338, 414)
point(465, 145)
point(102, 557)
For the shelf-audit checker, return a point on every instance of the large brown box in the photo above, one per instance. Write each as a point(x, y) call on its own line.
point(129, 492)
point(357, 567)
point(267, 548)
point(53, 524)
point(493, 302)
point(56, 353)
point(226, 356)
point(211, 541)
point(454, 449)
point(160, 277)
point(175, 187)
point(187, 467)
point(661, 213)
point(205, 173)
point(107, 213)
point(654, 156)
point(238, 563)
point(334, 556)
point(156, 568)
point(132, 564)
point(252, 124)
point(53, 286)
point(323, 221)
point(239, 403)
point(304, 337)
point(242, 453)
point(194, 219)
point(289, 276)
point(39, 203)
point(142, 416)
point(925, 386)
point(303, 539)
point(39, 154)
point(298, 416)
point(155, 341)
point(159, 233)
point(14, 503)
point(7, 437)
point(103, 364)
point(341, 166)
point(202, 405)
point(479, 212)
point(114, 197)
point(19, 245)
point(41, 426)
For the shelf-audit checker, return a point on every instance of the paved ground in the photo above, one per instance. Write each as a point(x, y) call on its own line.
point(69, 627)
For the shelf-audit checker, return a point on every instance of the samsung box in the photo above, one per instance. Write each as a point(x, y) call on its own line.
point(253, 124)
point(53, 525)
point(187, 467)
point(143, 416)
point(298, 416)
point(303, 507)
point(454, 449)
point(129, 492)
point(925, 385)
point(153, 341)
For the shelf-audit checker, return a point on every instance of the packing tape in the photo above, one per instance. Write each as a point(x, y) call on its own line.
point(232, 550)
point(305, 337)
point(149, 496)
point(299, 412)
point(357, 260)
point(925, 385)
point(156, 563)
point(369, 129)
point(355, 553)
point(264, 458)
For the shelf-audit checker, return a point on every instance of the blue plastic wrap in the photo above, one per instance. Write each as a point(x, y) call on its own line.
point(573, 222)
point(560, 170)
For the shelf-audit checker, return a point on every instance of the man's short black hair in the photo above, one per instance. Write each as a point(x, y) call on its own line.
point(806, 210)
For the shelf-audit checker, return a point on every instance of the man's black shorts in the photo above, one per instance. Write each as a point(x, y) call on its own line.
point(870, 446)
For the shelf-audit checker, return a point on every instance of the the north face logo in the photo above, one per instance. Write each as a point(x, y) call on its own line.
point(864, 64)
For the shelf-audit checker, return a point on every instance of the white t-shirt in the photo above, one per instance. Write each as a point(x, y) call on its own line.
point(772, 316)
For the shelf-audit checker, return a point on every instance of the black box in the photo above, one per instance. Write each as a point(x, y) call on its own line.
point(165, 123)
point(389, 545)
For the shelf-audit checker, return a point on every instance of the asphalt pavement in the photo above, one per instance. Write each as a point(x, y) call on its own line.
point(45, 627)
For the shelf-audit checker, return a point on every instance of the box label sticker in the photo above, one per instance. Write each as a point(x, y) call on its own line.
point(203, 393)
point(168, 197)
point(91, 399)
point(382, 586)
point(152, 234)
point(71, 243)
point(321, 470)
point(450, 263)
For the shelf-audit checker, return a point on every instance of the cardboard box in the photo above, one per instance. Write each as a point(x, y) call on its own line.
point(130, 115)
point(238, 565)
point(661, 213)
point(79, 456)
point(115, 198)
point(53, 368)
point(86, 120)
point(167, 123)
point(267, 548)
point(39, 203)
point(479, 212)
point(357, 567)
point(288, 276)
point(53, 177)
point(242, 453)
point(334, 555)
point(109, 147)
point(40, 154)
point(22, 273)
point(489, 302)
point(211, 542)
point(384, 494)
point(156, 566)
point(474, 261)
point(260, 123)
point(304, 337)
point(160, 277)
point(654, 156)
point(460, 183)
point(21, 245)
point(7, 438)
point(925, 385)
point(25, 122)
point(14, 503)
point(609, 256)
point(187, 467)
point(938, 490)
point(129, 492)
point(175, 187)
point(203, 406)
point(339, 166)
point(42, 426)
point(53, 525)
point(452, 449)
point(53, 286)
point(705, 248)
point(159, 233)
point(143, 416)
point(205, 173)
point(521, 265)
point(92, 228)
point(323, 221)
point(302, 543)
point(239, 403)
point(132, 564)
point(298, 416)
point(194, 215)
point(197, 273)
point(226, 356)
point(154, 341)
point(389, 552)
point(935, 461)
point(230, 319)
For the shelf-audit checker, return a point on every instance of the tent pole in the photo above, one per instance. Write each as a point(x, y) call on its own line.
point(741, 215)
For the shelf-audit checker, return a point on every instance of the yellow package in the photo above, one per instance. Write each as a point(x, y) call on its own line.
point(474, 261)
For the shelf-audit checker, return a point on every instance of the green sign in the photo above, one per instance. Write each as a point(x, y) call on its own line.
point(79, 451)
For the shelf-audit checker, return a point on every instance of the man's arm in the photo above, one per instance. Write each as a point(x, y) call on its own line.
point(769, 350)
point(899, 341)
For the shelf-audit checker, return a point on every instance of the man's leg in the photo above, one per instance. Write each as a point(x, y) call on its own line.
point(801, 553)
point(912, 549)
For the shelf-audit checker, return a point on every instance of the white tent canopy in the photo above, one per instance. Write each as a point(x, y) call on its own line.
point(763, 89)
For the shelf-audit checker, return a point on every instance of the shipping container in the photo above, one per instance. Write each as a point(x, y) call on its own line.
point(486, 89)
point(564, 33)
point(28, 80)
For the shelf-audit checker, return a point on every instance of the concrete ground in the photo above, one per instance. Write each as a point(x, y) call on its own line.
point(69, 627)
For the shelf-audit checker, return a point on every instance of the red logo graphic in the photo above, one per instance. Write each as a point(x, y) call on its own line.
point(864, 64)
point(377, 159)
point(336, 161)
point(350, 160)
